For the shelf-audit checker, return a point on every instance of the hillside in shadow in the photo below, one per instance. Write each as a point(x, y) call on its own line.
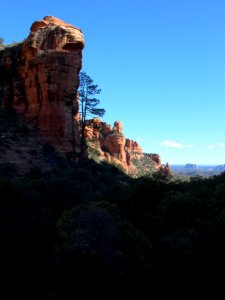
point(88, 230)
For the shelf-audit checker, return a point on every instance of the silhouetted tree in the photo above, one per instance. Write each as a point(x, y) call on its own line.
point(88, 103)
point(1, 43)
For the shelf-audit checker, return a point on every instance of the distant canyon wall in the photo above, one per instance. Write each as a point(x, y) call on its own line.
point(106, 143)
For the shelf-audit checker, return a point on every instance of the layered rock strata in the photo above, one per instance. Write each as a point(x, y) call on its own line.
point(39, 78)
point(109, 144)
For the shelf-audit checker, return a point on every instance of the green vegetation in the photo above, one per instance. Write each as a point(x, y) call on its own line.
point(90, 231)
point(1, 43)
point(93, 150)
point(88, 103)
point(144, 165)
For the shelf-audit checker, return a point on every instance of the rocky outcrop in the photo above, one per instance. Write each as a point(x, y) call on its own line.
point(106, 143)
point(133, 146)
point(114, 143)
point(155, 157)
point(39, 78)
point(166, 170)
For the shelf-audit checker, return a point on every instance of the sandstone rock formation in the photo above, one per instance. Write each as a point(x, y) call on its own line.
point(155, 157)
point(133, 146)
point(166, 170)
point(106, 143)
point(39, 78)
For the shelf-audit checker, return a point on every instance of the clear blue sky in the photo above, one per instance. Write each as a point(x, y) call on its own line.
point(160, 65)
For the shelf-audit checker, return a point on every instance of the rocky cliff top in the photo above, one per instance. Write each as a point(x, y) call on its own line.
point(54, 34)
point(40, 78)
point(50, 21)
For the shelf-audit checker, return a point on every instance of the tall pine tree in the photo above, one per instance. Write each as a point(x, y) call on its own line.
point(88, 103)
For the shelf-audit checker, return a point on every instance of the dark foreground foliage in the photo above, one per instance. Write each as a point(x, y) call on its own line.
point(91, 232)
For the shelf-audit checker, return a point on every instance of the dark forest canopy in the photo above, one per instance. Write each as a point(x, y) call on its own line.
point(91, 231)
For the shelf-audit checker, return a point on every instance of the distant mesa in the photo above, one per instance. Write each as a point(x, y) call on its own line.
point(191, 166)
point(220, 168)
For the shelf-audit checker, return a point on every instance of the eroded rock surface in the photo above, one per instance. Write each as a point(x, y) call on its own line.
point(39, 78)
point(109, 144)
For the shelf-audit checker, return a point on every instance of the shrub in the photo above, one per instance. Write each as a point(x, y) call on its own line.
point(8, 170)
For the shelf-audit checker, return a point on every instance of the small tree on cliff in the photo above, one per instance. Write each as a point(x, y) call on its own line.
point(1, 43)
point(88, 103)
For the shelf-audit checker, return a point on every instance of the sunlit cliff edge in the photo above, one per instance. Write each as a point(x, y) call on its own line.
point(39, 79)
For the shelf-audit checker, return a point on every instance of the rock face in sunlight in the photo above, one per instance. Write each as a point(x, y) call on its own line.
point(155, 157)
point(106, 143)
point(39, 78)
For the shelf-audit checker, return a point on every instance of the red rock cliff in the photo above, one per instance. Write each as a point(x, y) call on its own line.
point(39, 77)
point(155, 157)
point(109, 144)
